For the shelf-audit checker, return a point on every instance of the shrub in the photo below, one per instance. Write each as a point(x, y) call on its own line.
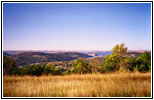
point(143, 62)
point(81, 67)
point(110, 63)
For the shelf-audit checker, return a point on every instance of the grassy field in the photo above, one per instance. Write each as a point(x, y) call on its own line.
point(89, 85)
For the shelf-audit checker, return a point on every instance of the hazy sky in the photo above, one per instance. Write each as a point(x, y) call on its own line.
point(76, 26)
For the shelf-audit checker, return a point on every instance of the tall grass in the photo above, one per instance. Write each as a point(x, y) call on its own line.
point(89, 85)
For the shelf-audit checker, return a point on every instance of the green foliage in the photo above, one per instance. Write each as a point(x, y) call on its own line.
point(119, 49)
point(57, 71)
point(117, 60)
point(115, 49)
point(37, 70)
point(81, 67)
point(120, 60)
point(110, 63)
point(143, 62)
point(131, 65)
point(48, 69)
point(19, 71)
point(67, 72)
point(125, 63)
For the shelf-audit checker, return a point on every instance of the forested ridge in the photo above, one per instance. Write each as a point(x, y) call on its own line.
point(26, 58)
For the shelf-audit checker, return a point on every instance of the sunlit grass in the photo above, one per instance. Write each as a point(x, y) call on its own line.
point(89, 85)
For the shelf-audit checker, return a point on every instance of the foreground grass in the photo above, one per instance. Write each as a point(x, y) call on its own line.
point(94, 85)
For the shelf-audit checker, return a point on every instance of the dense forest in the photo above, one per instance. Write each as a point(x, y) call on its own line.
point(75, 63)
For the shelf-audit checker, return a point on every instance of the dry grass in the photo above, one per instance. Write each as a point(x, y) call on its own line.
point(94, 85)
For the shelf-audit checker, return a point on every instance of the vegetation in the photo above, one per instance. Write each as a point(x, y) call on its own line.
point(27, 58)
point(85, 85)
point(120, 61)
point(37, 70)
point(81, 67)
point(8, 65)
point(83, 77)
point(143, 62)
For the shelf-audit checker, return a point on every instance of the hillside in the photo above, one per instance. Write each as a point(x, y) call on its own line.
point(37, 57)
point(25, 58)
point(6, 54)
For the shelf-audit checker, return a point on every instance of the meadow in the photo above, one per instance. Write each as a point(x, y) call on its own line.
point(87, 85)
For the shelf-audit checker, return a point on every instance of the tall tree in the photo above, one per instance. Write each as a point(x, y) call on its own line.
point(120, 50)
point(119, 58)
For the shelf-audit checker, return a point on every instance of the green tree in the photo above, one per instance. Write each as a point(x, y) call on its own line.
point(119, 49)
point(121, 52)
point(48, 69)
point(35, 70)
point(57, 71)
point(143, 62)
point(110, 63)
point(81, 67)
point(125, 63)
point(118, 60)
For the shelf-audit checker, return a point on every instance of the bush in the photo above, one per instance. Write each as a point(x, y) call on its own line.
point(81, 67)
point(37, 70)
point(143, 62)
point(110, 63)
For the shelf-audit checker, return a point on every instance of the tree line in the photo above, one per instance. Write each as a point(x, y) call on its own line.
point(119, 61)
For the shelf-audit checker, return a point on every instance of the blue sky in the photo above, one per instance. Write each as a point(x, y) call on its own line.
point(76, 26)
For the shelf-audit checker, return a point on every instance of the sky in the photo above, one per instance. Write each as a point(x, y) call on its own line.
point(76, 26)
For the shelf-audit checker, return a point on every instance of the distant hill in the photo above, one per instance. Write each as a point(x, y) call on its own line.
point(13, 52)
point(37, 57)
point(136, 53)
point(6, 54)
point(30, 57)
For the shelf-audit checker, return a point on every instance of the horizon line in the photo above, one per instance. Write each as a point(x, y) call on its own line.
point(73, 50)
